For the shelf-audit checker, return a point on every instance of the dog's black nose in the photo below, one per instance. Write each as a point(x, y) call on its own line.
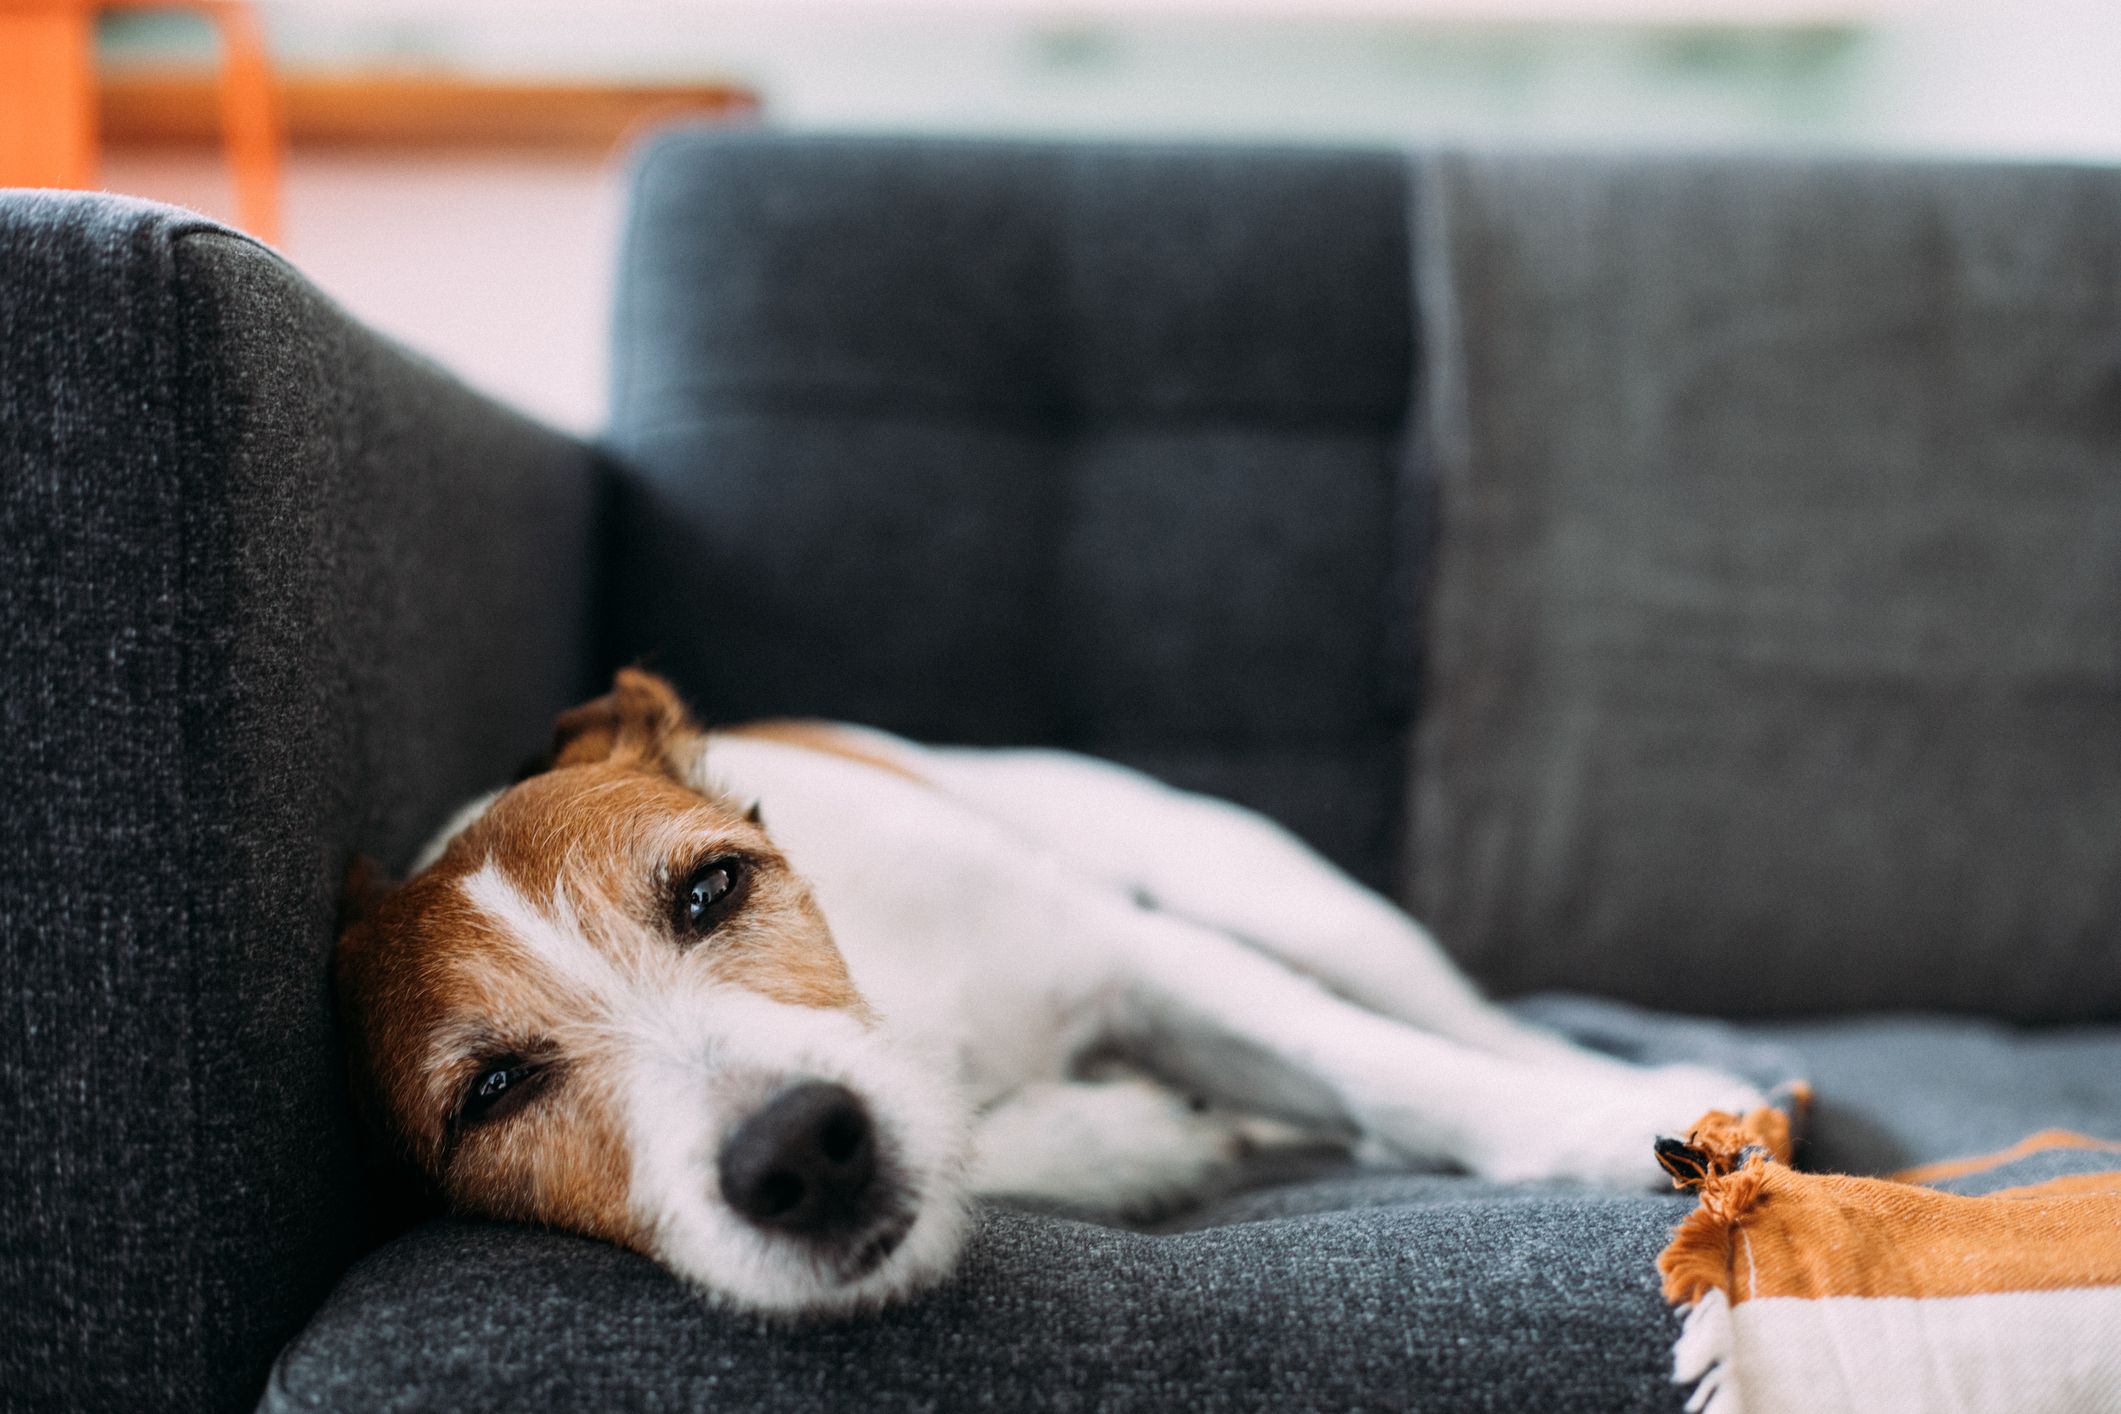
point(806, 1163)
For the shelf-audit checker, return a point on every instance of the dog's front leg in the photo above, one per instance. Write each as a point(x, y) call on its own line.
point(1213, 1014)
point(1126, 1148)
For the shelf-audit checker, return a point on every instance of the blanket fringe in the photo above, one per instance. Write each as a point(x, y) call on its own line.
point(1698, 1259)
point(1725, 1160)
point(1701, 1357)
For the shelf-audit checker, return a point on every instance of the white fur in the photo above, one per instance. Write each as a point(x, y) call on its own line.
point(1019, 914)
point(706, 1059)
point(1027, 908)
point(554, 935)
point(697, 1057)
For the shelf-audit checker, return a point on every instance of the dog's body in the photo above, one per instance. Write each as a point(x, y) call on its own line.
point(1044, 978)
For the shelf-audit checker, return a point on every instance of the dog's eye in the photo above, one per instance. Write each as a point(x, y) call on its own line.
point(708, 894)
point(499, 1088)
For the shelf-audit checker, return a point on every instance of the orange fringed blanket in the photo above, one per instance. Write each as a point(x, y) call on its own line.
point(1822, 1292)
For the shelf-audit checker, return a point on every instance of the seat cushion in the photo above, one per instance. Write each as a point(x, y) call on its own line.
point(1355, 1290)
point(1407, 1293)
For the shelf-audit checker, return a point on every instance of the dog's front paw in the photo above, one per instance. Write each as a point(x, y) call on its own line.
point(1606, 1135)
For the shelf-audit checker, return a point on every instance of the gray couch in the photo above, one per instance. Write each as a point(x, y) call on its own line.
point(1690, 583)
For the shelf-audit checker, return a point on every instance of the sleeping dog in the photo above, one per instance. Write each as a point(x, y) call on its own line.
point(769, 1004)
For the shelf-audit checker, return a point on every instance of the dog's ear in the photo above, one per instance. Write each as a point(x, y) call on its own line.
point(398, 1196)
point(640, 721)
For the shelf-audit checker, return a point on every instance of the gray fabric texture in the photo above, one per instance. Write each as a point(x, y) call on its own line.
point(1097, 447)
point(1442, 1303)
point(1359, 1291)
point(1773, 664)
point(272, 591)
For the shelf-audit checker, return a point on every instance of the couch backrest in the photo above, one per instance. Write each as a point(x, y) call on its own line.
point(272, 590)
point(1776, 650)
point(1769, 661)
point(1097, 447)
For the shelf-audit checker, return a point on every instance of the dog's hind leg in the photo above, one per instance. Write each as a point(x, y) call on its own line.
point(1236, 871)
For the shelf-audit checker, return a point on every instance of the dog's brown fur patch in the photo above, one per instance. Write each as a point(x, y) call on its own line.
point(804, 975)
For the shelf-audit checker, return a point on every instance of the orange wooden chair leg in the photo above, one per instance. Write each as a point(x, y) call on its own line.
point(47, 94)
point(250, 119)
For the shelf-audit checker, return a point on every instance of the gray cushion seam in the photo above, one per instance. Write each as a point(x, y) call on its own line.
point(171, 423)
point(201, 482)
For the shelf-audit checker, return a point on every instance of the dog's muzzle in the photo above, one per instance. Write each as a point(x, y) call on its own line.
point(806, 1165)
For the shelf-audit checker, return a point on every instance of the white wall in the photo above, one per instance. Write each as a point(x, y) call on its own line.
point(2009, 76)
point(502, 268)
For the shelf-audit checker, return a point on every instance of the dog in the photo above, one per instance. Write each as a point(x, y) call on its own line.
point(771, 1004)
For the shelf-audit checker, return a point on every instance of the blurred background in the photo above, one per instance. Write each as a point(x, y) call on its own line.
point(452, 170)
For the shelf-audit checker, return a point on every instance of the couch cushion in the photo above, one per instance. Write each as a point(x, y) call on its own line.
point(1362, 1290)
point(1100, 447)
point(1425, 1300)
point(1774, 666)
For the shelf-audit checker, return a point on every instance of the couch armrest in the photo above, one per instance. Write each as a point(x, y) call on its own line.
point(273, 590)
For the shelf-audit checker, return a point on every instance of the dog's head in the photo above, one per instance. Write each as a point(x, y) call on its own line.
point(608, 1005)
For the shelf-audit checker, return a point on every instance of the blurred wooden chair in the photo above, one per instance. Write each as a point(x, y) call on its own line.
point(48, 133)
